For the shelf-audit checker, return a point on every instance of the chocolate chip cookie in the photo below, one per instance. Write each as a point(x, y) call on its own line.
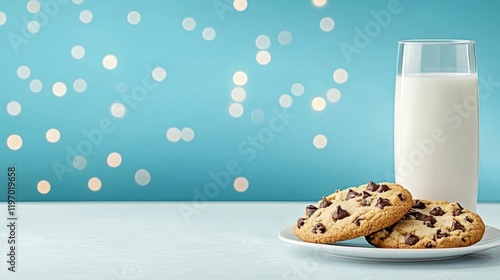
point(354, 212)
point(431, 224)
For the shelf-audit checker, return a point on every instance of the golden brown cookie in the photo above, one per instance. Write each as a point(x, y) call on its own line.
point(354, 212)
point(431, 224)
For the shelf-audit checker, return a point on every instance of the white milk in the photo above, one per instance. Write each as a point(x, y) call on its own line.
point(436, 136)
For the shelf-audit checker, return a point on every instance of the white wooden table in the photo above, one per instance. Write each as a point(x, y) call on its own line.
point(182, 240)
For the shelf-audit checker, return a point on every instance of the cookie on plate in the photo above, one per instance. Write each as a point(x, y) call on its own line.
point(431, 224)
point(354, 212)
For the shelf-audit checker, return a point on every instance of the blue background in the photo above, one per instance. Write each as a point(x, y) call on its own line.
point(197, 94)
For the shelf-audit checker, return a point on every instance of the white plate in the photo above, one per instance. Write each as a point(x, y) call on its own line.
point(359, 249)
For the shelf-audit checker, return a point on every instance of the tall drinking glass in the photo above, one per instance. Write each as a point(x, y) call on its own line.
point(436, 128)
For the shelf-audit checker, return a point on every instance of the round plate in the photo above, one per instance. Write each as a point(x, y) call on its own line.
point(359, 249)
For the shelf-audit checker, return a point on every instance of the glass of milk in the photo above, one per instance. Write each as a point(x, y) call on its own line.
point(436, 126)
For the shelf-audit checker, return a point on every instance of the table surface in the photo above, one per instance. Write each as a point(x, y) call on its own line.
point(196, 240)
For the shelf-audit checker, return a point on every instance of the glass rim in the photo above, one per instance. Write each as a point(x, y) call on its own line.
point(436, 42)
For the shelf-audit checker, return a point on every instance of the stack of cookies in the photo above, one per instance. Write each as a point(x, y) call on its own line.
point(388, 217)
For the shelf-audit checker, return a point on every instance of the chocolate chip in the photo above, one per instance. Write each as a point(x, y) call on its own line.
point(357, 221)
point(440, 234)
point(411, 239)
point(372, 186)
point(437, 211)
point(401, 197)
point(458, 211)
point(430, 223)
point(383, 188)
point(420, 216)
point(382, 202)
point(412, 213)
point(319, 227)
point(418, 204)
point(469, 219)
point(339, 213)
point(310, 209)
point(464, 240)
point(428, 220)
point(408, 215)
point(325, 203)
point(457, 226)
point(300, 222)
point(429, 245)
point(366, 194)
point(352, 194)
